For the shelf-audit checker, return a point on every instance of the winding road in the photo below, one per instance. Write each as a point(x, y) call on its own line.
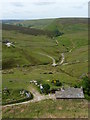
point(62, 59)
point(54, 61)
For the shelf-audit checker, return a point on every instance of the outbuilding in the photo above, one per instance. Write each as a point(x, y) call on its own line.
point(70, 93)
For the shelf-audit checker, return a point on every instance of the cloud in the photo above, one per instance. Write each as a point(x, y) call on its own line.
point(43, 3)
point(78, 7)
point(29, 9)
point(17, 4)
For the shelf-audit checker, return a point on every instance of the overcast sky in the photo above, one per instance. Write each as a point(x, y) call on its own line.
point(39, 9)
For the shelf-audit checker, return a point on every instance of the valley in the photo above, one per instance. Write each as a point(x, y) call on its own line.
point(54, 53)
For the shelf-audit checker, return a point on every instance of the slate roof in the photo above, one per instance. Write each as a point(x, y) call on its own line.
point(70, 93)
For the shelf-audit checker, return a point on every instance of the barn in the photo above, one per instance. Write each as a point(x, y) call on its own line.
point(70, 93)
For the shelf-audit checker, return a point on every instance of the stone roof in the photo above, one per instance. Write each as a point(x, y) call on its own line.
point(70, 93)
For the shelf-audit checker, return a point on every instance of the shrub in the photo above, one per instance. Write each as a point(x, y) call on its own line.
point(56, 82)
point(86, 85)
point(46, 88)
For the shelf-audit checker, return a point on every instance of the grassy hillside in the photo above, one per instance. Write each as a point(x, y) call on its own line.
point(69, 25)
point(29, 60)
point(27, 49)
point(40, 24)
point(30, 31)
point(75, 36)
point(49, 108)
point(62, 24)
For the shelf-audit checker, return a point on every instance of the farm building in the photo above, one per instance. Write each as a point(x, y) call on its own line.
point(70, 93)
point(8, 43)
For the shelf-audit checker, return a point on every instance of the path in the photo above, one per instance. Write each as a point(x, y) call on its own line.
point(54, 62)
point(39, 97)
point(62, 59)
point(73, 46)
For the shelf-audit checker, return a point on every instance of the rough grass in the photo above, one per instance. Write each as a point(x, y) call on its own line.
point(68, 25)
point(49, 109)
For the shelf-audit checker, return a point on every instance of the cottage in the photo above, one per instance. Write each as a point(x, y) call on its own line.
point(9, 44)
point(70, 93)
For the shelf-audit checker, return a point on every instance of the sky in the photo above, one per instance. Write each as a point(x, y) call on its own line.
point(40, 9)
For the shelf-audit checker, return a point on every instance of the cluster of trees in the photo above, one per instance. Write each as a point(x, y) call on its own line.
point(46, 87)
point(86, 85)
point(31, 31)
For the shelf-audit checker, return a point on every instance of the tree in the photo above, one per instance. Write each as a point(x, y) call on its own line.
point(19, 24)
point(46, 88)
point(57, 32)
point(58, 84)
point(86, 85)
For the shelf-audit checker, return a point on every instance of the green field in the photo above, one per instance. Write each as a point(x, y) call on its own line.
point(25, 62)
